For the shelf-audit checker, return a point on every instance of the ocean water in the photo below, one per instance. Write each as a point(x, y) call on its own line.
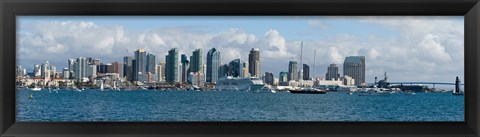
point(142, 105)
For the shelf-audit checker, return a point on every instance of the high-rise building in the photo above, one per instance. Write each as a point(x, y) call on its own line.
point(158, 72)
point(65, 73)
point(53, 71)
point(19, 71)
point(140, 73)
point(245, 70)
point(283, 77)
point(332, 72)
point(185, 68)
point(223, 71)
point(268, 78)
point(45, 73)
point(37, 70)
point(354, 66)
point(306, 72)
point(292, 70)
point(172, 66)
point(235, 68)
point(254, 62)
point(128, 67)
point(151, 63)
point(213, 65)
point(196, 63)
point(80, 69)
point(163, 70)
point(71, 67)
point(117, 67)
point(91, 72)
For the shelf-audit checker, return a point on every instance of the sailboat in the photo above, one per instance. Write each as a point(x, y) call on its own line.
point(101, 86)
point(456, 90)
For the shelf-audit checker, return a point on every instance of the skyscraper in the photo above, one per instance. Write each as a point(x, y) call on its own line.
point(53, 71)
point(332, 72)
point(80, 68)
point(117, 67)
point(235, 68)
point(140, 65)
point(65, 73)
point(306, 72)
point(354, 66)
point(196, 63)
point(37, 71)
point(45, 72)
point(213, 65)
point(128, 67)
point(163, 70)
point(283, 77)
point(151, 63)
point(223, 71)
point(254, 62)
point(245, 70)
point(172, 66)
point(268, 78)
point(71, 67)
point(292, 70)
point(185, 68)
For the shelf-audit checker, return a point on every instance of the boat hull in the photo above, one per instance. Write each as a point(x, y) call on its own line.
point(307, 92)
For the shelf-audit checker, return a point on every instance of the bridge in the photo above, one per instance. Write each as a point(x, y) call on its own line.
point(423, 83)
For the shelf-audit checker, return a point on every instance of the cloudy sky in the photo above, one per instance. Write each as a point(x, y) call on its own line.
point(407, 48)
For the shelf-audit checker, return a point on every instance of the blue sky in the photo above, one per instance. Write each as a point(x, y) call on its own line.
point(430, 42)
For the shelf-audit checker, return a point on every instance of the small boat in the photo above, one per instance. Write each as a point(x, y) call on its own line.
point(308, 91)
point(30, 96)
point(36, 89)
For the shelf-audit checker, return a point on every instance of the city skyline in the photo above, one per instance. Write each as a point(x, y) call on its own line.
point(437, 49)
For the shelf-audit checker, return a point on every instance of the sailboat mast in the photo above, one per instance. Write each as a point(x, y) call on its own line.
point(314, 63)
point(300, 72)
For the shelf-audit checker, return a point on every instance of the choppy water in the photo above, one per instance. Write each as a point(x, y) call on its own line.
point(93, 105)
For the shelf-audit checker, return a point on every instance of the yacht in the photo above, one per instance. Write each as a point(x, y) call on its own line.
point(308, 91)
point(36, 89)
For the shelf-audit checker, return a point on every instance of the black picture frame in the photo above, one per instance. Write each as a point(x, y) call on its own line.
point(9, 9)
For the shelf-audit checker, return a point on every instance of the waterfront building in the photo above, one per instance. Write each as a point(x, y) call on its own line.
point(348, 81)
point(150, 63)
point(332, 72)
point(37, 71)
point(235, 68)
point(140, 72)
point(306, 72)
point(53, 71)
point(268, 78)
point(324, 82)
point(292, 71)
point(197, 79)
point(96, 62)
point(223, 71)
point(19, 71)
point(163, 70)
point(196, 64)
point(245, 70)
point(158, 73)
point(117, 67)
point(254, 62)
point(213, 65)
point(80, 69)
point(185, 68)
point(66, 73)
point(71, 67)
point(172, 66)
point(354, 66)
point(45, 72)
point(283, 77)
point(128, 68)
point(91, 72)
